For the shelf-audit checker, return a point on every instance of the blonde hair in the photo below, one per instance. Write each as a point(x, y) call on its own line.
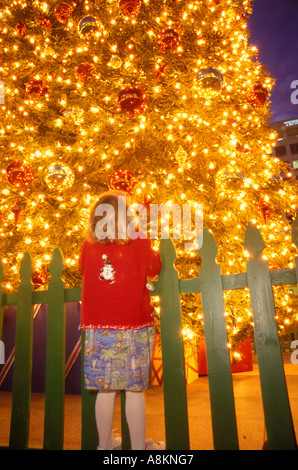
point(111, 212)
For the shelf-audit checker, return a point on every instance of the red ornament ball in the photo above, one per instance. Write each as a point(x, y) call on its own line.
point(123, 180)
point(39, 278)
point(45, 22)
point(168, 39)
point(130, 7)
point(63, 12)
point(21, 28)
point(132, 100)
point(37, 87)
point(19, 174)
point(257, 95)
point(84, 71)
point(265, 210)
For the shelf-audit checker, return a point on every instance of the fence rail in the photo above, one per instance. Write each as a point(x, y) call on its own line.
point(211, 284)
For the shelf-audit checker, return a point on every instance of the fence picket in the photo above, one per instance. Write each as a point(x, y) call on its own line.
point(276, 406)
point(175, 402)
point(21, 394)
point(55, 358)
point(218, 360)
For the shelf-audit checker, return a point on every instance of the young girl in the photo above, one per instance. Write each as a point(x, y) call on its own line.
point(117, 316)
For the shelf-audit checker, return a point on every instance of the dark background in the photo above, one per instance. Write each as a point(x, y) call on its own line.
point(273, 29)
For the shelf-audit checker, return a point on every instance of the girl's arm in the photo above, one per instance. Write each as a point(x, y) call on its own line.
point(154, 263)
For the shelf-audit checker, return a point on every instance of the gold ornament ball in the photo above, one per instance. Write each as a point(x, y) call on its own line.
point(59, 176)
point(210, 80)
point(75, 113)
point(90, 25)
point(115, 62)
point(229, 177)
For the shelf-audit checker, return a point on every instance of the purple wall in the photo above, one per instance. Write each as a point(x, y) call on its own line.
point(73, 379)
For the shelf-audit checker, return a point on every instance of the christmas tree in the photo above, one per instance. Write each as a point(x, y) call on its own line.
point(164, 100)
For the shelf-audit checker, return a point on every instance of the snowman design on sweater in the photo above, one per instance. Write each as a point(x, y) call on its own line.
point(107, 272)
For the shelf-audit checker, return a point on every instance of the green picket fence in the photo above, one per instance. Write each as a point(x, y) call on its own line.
point(211, 284)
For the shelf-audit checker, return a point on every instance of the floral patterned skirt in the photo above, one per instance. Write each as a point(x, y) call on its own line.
point(118, 359)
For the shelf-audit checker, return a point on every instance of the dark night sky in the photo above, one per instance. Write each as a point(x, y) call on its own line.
point(274, 30)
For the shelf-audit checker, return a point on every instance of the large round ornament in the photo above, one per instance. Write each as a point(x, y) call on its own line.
point(229, 177)
point(210, 80)
point(168, 39)
point(132, 100)
point(63, 12)
point(90, 25)
point(115, 62)
point(19, 174)
point(123, 180)
point(275, 179)
point(257, 95)
point(36, 87)
point(130, 7)
point(75, 113)
point(84, 71)
point(59, 176)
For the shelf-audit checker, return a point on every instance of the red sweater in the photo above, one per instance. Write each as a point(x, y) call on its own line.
point(114, 293)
